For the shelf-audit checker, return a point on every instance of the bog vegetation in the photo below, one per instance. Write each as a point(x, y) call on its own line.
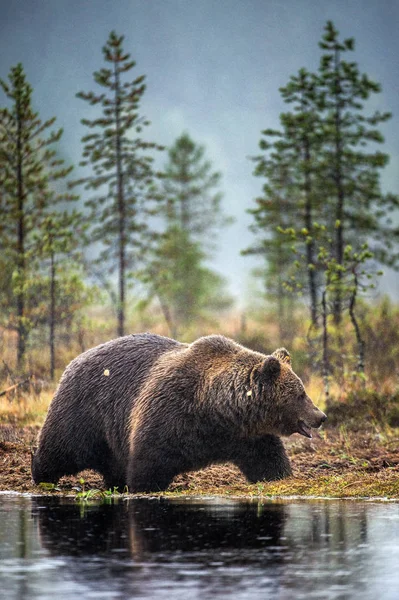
point(123, 242)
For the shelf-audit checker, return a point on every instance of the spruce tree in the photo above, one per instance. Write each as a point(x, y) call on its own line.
point(271, 217)
point(29, 167)
point(122, 167)
point(326, 143)
point(59, 244)
point(188, 291)
point(190, 196)
point(291, 198)
point(359, 210)
point(190, 203)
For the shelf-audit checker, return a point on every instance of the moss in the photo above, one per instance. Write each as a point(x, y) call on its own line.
point(354, 485)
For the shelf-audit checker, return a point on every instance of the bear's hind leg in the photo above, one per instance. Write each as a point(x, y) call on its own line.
point(153, 471)
point(155, 479)
point(49, 471)
point(114, 476)
point(262, 459)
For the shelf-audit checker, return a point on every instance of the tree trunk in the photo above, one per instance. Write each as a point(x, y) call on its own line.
point(360, 341)
point(121, 209)
point(280, 308)
point(310, 245)
point(338, 178)
point(325, 362)
point(168, 317)
point(52, 316)
point(20, 296)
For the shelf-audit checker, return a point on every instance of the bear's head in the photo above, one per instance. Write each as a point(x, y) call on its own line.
point(287, 407)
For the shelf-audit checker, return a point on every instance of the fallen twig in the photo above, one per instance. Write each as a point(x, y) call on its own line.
point(352, 483)
point(13, 387)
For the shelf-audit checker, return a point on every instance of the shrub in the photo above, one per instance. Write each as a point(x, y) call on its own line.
point(364, 409)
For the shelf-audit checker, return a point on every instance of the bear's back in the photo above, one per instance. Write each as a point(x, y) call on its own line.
point(116, 365)
point(107, 378)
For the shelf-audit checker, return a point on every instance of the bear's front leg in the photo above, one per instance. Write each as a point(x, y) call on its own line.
point(262, 459)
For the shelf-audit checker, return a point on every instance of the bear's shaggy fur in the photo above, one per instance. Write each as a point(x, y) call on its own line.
point(143, 408)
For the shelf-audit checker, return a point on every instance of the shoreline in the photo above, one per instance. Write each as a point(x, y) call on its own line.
point(217, 498)
point(332, 465)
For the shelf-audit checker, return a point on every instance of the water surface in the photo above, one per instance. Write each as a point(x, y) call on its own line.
point(156, 548)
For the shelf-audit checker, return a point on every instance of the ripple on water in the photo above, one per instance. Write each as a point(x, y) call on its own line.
point(156, 549)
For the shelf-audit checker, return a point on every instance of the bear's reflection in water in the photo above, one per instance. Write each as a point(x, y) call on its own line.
point(138, 528)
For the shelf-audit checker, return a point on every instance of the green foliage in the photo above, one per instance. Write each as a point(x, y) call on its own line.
point(380, 326)
point(291, 194)
point(189, 196)
point(122, 168)
point(48, 487)
point(351, 172)
point(271, 218)
point(323, 223)
point(190, 206)
point(364, 409)
point(30, 173)
point(186, 289)
point(83, 495)
point(59, 244)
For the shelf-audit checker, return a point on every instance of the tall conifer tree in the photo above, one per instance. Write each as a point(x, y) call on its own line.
point(190, 203)
point(351, 176)
point(272, 215)
point(29, 166)
point(290, 165)
point(59, 243)
point(326, 144)
point(122, 167)
point(191, 198)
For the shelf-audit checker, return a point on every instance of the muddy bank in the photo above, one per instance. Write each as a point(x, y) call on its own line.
point(331, 464)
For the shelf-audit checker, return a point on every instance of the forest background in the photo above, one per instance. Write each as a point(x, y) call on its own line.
point(128, 240)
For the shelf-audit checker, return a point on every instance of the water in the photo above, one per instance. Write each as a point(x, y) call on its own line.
point(188, 549)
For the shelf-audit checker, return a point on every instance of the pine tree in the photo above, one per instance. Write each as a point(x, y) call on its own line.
point(272, 216)
point(59, 242)
point(190, 195)
point(29, 167)
point(190, 204)
point(291, 195)
point(360, 212)
point(122, 167)
point(302, 130)
point(326, 145)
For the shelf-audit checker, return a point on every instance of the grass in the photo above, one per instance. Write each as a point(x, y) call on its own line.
point(353, 485)
point(24, 408)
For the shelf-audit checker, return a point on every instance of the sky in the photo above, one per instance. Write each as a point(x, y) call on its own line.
point(213, 69)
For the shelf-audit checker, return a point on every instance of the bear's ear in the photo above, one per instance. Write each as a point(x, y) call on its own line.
point(270, 369)
point(283, 355)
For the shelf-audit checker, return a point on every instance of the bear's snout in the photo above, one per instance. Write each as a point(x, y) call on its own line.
point(312, 419)
point(322, 418)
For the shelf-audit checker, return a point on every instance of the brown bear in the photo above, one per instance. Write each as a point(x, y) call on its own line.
point(143, 408)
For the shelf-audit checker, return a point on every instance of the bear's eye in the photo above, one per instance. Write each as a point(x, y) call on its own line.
point(302, 397)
